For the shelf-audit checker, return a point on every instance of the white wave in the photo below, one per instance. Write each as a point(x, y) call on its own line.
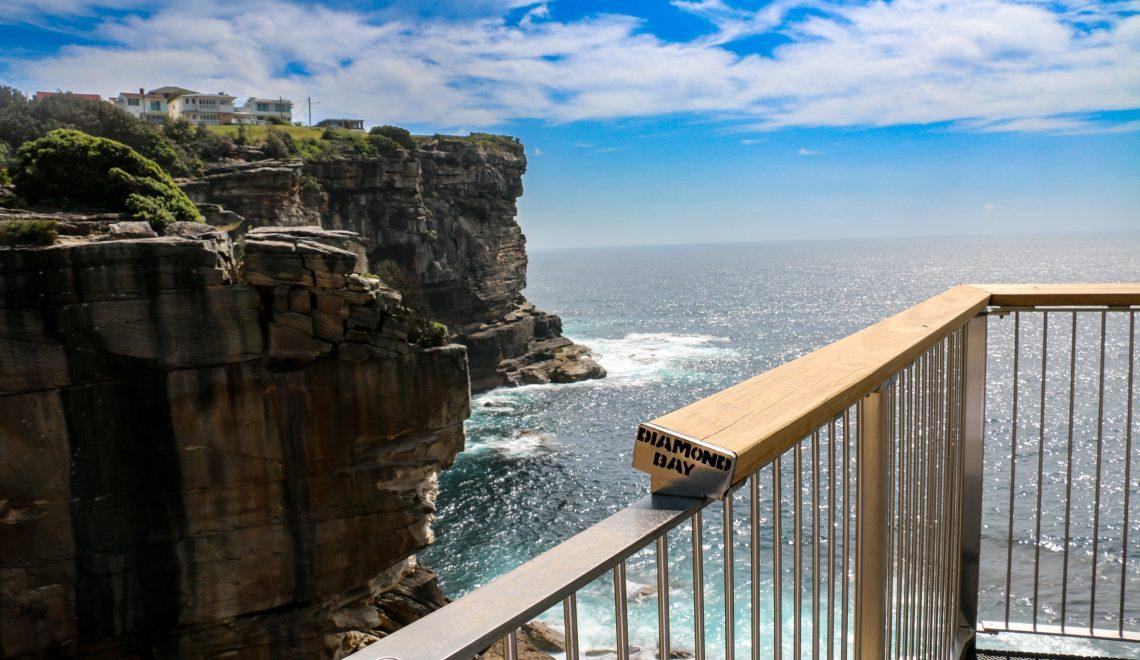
point(521, 442)
point(645, 356)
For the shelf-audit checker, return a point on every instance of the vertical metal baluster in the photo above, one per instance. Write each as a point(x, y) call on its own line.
point(815, 544)
point(935, 532)
point(1069, 472)
point(846, 527)
point(900, 515)
point(797, 555)
point(698, 590)
point(954, 504)
point(1012, 466)
point(831, 538)
point(512, 646)
point(942, 559)
point(933, 490)
point(928, 407)
point(916, 526)
point(754, 569)
point(1040, 463)
point(621, 613)
point(1099, 451)
point(940, 556)
point(973, 415)
point(908, 540)
point(729, 595)
point(777, 564)
point(1127, 467)
point(960, 467)
point(663, 596)
point(570, 623)
point(955, 490)
point(888, 520)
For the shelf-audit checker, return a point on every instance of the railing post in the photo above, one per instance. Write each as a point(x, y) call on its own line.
point(973, 438)
point(871, 581)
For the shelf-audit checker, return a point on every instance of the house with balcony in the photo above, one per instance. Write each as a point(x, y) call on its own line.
point(198, 108)
point(264, 111)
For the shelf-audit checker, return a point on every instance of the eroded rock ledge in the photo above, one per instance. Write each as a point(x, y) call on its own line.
point(445, 212)
point(198, 459)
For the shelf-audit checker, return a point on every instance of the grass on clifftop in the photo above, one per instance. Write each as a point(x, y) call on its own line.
point(256, 134)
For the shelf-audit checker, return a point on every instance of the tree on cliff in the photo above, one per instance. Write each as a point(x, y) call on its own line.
point(73, 170)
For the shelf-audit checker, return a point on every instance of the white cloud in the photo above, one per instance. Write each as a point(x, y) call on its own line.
point(536, 151)
point(987, 65)
point(808, 152)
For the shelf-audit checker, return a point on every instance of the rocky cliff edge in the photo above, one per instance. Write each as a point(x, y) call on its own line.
point(208, 449)
point(444, 212)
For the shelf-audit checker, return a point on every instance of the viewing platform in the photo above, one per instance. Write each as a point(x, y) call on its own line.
point(957, 471)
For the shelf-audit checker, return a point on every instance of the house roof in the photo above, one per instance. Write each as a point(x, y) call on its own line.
point(171, 90)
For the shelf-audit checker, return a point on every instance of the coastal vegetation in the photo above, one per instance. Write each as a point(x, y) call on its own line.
point(70, 169)
point(27, 232)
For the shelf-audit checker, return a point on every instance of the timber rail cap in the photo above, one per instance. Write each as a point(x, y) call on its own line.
point(708, 446)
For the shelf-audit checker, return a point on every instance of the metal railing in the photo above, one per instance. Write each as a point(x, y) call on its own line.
point(1062, 441)
point(861, 467)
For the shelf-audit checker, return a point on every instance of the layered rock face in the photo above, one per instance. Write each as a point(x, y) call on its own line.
point(445, 212)
point(198, 460)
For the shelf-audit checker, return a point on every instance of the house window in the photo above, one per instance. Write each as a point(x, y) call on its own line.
point(132, 101)
point(154, 106)
point(262, 107)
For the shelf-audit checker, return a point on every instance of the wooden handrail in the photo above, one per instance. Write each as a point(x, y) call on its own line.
point(762, 417)
point(1028, 295)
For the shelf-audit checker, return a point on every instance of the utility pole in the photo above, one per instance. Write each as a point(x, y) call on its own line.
point(309, 101)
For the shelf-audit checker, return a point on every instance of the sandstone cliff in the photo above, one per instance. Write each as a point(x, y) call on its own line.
point(198, 459)
point(445, 212)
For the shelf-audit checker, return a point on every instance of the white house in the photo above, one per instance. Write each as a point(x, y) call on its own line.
point(199, 108)
point(148, 106)
point(171, 103)
point(264, 111)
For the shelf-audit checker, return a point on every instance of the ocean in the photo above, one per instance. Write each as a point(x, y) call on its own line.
point(672, 324)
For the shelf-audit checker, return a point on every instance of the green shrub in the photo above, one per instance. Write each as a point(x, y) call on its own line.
point(277, 144)
point(310, 186)
point(277, 121)
point(70, 169)
point(27, 232)
point(400, 136)
point(5, 163)
point(382, 144)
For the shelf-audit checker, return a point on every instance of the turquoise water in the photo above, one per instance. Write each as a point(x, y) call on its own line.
point(671, 325)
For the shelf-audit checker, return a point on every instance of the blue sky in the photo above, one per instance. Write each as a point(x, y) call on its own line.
point(683, 121)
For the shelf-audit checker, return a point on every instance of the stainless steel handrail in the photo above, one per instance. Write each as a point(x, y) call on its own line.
point(484, 616)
